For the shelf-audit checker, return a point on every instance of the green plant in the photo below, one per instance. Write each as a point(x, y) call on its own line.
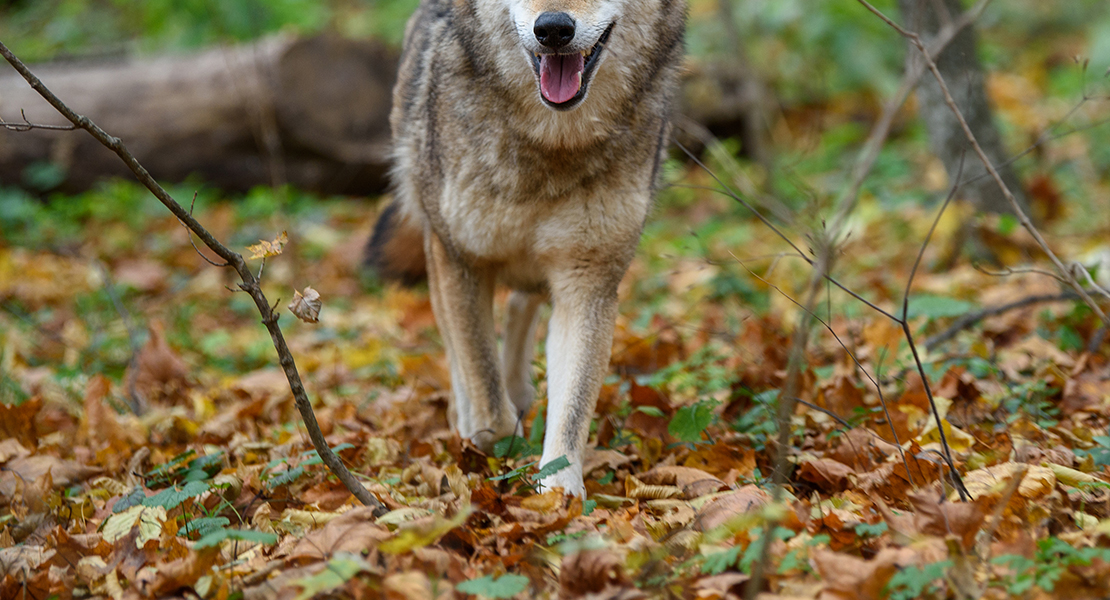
point(690, 422)
point(760, 421)
point(1032, 399)
point(505, 586)
point(1053, 557)
point(1100, 452)
point(914, 582)
point(742, 557)
point(530, 481)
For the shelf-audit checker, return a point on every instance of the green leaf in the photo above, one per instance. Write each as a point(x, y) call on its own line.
point(539, 424)
point(171, 498)
point(506, 586)
point(913, 582)
point(1007, 223)
point(588, 507)
point(285, 477)
point(514, 474)
point(246, 535)
point(164, 474)
point(651, 411)
point(719, 562)
point(133, 498)
point(312, 457)
point(515, 447)
point(552, 468)
point(204, 526)
point(868, 530)
point(690, 421)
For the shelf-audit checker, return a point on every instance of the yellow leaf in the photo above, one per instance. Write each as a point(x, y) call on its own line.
point(148, 518)
point(264, 249)
point(423, 532)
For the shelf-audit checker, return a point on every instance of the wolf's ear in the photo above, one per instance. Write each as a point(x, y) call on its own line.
point(396, 249)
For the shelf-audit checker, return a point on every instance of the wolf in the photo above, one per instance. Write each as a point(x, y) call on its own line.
point(528, 136)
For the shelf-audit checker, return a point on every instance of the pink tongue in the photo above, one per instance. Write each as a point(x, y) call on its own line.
point(561, 76)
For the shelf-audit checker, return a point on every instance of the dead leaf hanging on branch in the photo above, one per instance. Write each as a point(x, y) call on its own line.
point(306, 306)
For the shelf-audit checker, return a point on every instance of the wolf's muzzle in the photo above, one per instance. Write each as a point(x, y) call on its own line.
point(554, 30)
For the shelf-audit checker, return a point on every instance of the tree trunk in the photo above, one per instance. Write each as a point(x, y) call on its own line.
point(959, 65)
point(309, 112)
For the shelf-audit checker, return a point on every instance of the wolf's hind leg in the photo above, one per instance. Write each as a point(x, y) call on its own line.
point(579, 342)
point(462, 300)
point(519, 347)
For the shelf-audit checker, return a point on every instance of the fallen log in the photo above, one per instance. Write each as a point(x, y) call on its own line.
point(311, 112)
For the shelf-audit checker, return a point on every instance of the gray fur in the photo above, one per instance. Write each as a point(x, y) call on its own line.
point(504, 188)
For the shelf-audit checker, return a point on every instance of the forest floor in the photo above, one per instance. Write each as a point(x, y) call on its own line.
point(149, 445)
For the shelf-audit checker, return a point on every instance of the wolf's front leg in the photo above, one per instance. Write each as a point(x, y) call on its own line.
point(579, 342)
point(462, 300)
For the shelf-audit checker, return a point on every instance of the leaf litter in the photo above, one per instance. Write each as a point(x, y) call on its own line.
point(212, 489)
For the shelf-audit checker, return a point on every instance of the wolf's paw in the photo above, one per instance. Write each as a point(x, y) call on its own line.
point(486, 437)
point(570, 479)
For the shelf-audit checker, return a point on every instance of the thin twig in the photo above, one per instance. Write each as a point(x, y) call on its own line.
point(28, 126)
point(138, 401)
point(727, 191)
point(970, 319)
point(878, 388)
point(913, 347)
point(915, 39)
point(249, 283)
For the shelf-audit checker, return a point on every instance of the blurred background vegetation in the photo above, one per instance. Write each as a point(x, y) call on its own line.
point(826, 66)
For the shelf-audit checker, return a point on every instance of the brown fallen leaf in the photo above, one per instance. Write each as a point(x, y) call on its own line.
point(18, 421)
point(183, 573)
point(591, 572)
point(726, 586)
point(354, 531)
point(11, 448)
point(939, 518)
point(25, 471)
point(723, 457)
point(407, 586)
point(160, 375)
point(634, 488)
point(694, 483)
point(850, 578)
point(306, 307)
point(720, 510)
point(596, 458)
point(1036, 483)
point(102, 427)
point(827, 474)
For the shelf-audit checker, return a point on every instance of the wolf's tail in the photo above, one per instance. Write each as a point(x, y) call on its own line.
point(396, 249)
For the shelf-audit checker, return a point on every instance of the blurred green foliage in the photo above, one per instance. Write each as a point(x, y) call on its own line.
point(46, 29)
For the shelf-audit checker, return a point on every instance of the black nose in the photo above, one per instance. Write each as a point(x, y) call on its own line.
point(554, 29)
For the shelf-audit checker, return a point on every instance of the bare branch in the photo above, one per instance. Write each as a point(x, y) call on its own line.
point(28, 126)
point(234, 260)
point(915, 39)
point(970, 319)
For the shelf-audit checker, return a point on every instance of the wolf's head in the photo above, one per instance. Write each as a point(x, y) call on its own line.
point(564, 40)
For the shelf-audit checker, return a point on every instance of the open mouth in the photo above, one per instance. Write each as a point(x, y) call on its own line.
point(564, 78)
